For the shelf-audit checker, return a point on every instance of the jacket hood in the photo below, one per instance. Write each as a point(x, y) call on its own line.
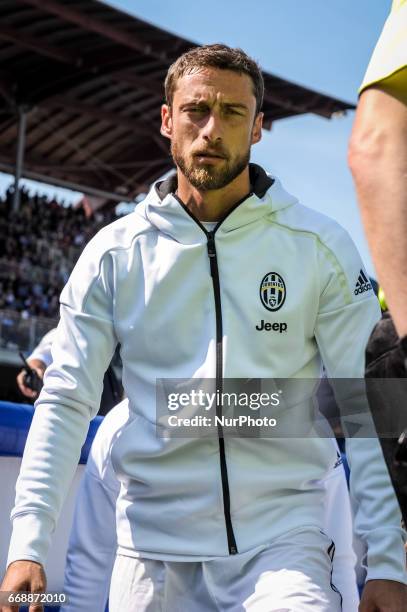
point(167, 212)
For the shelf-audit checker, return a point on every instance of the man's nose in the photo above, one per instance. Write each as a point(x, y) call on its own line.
point(212, 130)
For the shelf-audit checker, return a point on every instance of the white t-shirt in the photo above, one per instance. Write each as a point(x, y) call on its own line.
point(43, 350)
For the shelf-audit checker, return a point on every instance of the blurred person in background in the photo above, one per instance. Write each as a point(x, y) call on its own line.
point(41, 358)
point(378, 160)
point(38, 361)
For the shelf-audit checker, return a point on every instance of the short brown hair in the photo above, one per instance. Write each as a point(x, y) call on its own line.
point(216, 56)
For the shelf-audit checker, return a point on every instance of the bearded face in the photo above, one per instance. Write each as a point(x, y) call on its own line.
point(212, 124)
point(204, 174)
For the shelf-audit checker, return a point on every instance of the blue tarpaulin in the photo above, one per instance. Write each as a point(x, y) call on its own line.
point(15, 421)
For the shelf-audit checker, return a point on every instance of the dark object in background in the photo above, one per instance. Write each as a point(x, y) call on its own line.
point(31, 378)
point(9, 391)
point(386, 358)
point(112, 392)
point(400, 456)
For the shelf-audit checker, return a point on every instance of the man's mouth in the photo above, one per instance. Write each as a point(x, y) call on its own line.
point(209, 155)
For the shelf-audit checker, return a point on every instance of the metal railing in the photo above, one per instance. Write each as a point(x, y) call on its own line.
point(20, 333)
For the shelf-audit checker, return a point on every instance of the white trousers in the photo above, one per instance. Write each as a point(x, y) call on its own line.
point(291, 574)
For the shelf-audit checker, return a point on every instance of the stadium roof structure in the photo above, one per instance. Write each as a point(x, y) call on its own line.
point(81, 85)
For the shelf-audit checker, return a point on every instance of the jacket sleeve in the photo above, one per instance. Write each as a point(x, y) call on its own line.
point(348, 311)
point(83, 347)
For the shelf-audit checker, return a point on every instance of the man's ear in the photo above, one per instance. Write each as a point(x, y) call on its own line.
point(166, 121)
point(257, 127)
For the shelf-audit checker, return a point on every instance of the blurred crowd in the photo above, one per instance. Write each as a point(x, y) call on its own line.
point(39, 246)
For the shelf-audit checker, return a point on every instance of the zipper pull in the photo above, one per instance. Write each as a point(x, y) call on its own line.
point(211, 245)
point(211, 252)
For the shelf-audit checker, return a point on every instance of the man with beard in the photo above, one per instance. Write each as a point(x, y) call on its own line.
point(219, 274)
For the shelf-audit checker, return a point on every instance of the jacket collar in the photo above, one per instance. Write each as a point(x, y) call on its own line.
point(165, 211)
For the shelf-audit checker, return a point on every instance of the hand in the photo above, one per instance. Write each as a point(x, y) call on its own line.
point(383, 596)
point(39, 367)
point(24, 576)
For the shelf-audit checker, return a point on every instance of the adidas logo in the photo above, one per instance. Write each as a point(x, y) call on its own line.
point(362, 284)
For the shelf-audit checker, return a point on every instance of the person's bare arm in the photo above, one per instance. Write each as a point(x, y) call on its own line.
point(378, 161)
point(383, 596)
point(24, 576)
point(37, 365)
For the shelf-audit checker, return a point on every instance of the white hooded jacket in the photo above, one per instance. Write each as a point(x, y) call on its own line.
point(187, 303)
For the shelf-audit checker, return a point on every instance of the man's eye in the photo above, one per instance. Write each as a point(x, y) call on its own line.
point(196, 109)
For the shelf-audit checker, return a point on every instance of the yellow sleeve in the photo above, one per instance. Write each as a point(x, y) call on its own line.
point(388, 65)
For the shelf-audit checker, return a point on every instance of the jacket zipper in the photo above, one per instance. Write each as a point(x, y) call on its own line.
point(219, 387)
point(219, 366)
